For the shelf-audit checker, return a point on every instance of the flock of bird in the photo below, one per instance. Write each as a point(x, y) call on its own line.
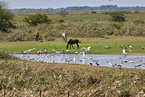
point(87, 49)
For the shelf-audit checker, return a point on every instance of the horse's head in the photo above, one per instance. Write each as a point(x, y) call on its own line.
point(79, 41)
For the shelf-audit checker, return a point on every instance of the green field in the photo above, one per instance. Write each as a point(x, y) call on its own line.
point(97, 45)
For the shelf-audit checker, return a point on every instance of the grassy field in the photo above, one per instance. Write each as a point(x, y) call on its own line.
point(97, 45)
point(25, 78)
point(76, 25)
point(34, 79)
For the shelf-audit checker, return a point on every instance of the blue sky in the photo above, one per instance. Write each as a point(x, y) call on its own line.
point(69, 3)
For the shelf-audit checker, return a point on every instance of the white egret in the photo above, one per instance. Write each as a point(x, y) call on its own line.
point(124, 52)
point(25, 52)
point(107, 47)
point(46, 51)
point(142, 47)
point(119, 65)
point(39, 51)
point(130, 46)
point(130, 50)
point(110, 64)
point(87, 49)
point(82, 53)
point(138, 65)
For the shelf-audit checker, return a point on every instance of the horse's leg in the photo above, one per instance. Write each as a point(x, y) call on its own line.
point(67, 46)
point(77, 46)
point(72, 46)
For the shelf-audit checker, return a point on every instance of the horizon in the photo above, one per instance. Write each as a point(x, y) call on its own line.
point(37, 4)
point(76, 6)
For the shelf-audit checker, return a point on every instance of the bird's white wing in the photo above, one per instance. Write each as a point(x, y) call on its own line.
point(83, 48)
point(124, 52)
point(88, 48)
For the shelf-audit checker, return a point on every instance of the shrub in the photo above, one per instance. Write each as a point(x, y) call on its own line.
point(61, 21)
point(138, 21)
point(93, 12)
point(5, 19)
point(34, 20)
point(116, 26)
point(117, 17)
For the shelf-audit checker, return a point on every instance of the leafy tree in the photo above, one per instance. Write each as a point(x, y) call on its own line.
point(5, 18)
point(117, 16)
point(36, 19)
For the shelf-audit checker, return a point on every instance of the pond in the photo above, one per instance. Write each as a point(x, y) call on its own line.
point(128, 61)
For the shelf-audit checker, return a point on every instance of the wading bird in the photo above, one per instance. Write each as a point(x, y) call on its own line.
point(138, 65)
point(39, 52)
point(87, 49)
point(25, 52)
point(124, 52)
point(55, 46)
point(130, 46)
point(141, 47)
point(107, 47)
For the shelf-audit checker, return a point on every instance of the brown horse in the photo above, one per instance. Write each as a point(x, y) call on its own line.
point(73, 41)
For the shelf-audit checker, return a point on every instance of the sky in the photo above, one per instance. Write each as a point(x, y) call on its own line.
point(12, 4)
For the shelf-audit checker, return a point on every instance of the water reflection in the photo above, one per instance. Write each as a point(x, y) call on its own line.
point(130, 61)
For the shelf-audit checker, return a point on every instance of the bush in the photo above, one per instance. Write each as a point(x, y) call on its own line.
point(93, 12)
point(60, 20)
point(116, 26)
point(138, 21)
point(5, 19)
point(34, 20)
point(117, 17)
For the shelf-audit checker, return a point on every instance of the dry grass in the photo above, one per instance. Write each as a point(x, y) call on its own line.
point(25, 78)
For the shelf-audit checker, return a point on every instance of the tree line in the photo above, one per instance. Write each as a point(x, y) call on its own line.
point(78, 8)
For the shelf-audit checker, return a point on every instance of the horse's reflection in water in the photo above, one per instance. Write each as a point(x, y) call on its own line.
point(73, 41)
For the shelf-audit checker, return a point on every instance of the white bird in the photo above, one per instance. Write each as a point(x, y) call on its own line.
point(39, 51)
point(138, 65)
point(142, 47)
point(67, 51)
point(124, 51)
point(106, 47)
point(119, 65)
point(131, 62)
point(82, 53)
point(25, 52)
point(110, 64)
point(31, 49)
point(130, 46)
point(87, 49)
point(130, 50)
point(46, 51)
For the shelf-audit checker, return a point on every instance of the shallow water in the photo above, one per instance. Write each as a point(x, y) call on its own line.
point(129, 61)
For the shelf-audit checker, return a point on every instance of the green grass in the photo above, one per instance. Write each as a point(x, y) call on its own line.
point(25, 78)
point(97, 45)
